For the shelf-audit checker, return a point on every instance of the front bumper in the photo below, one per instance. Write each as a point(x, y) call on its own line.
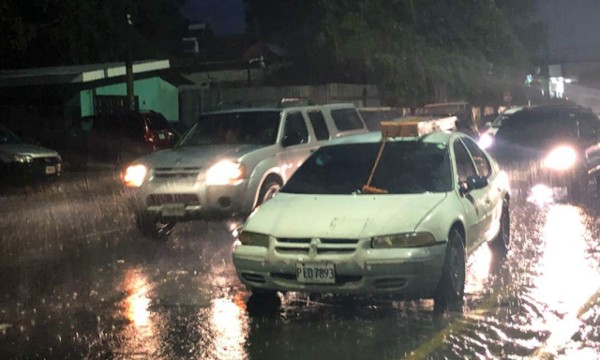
point(527, 175)
point(37, 169)
point(409, 273)
point(183, 200)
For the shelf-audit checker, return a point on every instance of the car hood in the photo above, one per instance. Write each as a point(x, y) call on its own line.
point(196, 155)
point(342, 216)
point(34, 151)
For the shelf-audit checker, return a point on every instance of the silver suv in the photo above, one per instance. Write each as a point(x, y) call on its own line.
point(231, 161)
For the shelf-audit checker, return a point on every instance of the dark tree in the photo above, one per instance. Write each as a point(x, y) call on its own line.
point(408, 47)
point(64, 32)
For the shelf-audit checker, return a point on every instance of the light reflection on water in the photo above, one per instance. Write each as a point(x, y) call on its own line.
point(139, 337)
point(567, 279)
point(230, 329)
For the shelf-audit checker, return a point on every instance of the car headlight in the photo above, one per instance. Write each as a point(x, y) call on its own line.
point(402, 240)
point(225, 172)
point(135, 175)
point(560, 158)
point(23, 158)
point(485, 141)
point(254, 239)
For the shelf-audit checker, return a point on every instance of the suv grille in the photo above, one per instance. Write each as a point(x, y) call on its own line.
point(297, 246)
point(176, 172)
point(160, 199)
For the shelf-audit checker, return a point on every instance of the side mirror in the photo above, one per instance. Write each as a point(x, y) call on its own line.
point(473, 182)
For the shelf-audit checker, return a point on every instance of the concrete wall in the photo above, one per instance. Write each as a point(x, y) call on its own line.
point(196, 100)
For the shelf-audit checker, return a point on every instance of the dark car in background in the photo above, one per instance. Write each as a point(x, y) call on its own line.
point(20, 161)
point(117, 138)
point(373, 116)
point(552, 145)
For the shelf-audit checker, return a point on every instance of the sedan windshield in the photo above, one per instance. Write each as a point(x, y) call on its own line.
point(404, 168)
point(7, 137)
point(234, 128)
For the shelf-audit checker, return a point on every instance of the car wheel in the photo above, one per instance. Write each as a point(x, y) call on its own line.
point(263, 301)
point(154, 228)
point(501, 242)
point(269, 188)
point(451, 288)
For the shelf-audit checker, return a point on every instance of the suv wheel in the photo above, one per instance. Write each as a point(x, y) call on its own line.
point(153, 227)
point(451, 288)
point(269, 188)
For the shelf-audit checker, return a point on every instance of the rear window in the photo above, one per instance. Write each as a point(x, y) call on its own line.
point(404, 168)
point(156, 121)
point(346, 119)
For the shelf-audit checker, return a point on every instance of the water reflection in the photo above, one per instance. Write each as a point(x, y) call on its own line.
point(567, 278)
point(139, 337)
point(229, 324)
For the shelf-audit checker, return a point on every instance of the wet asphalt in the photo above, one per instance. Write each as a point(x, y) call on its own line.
point(78, 281)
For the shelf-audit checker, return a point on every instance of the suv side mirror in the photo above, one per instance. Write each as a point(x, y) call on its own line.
point(473, 182)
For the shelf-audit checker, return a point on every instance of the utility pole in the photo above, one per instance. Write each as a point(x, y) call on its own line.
point(129, 67)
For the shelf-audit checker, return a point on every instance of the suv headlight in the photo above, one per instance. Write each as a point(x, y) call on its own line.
point(254, 239)
point(225, 172)
point(23, 158)
point(402, 240)
point(135, 175)
point(560, 158)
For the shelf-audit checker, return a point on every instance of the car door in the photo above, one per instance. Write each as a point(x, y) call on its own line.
point(296, 144)
point(472, 201)
point(491, 206)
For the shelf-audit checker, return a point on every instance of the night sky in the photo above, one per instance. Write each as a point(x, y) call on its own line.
point(223, 16)
point(573, 25)
point(573, 29)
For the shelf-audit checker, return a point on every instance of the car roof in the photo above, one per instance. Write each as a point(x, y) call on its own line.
point(438, 137)
point(285, 108)
point(540, 109)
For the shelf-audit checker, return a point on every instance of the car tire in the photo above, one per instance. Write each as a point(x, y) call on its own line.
point(451, 288)
point(263, 302)
point(269, 188)
point(153, 227)
point(501, 243)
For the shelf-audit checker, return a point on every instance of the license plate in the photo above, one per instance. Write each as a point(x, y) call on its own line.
point(50, 170)
point(173, 210)
point(161, 136)
point(315, 273)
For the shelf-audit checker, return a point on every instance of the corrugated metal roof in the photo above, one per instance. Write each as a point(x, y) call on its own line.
point(75, 73)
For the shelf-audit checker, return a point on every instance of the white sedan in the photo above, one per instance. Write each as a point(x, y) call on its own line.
point(364, 216)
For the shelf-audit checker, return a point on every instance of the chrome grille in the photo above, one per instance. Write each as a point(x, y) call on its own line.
point(160, 199)
point(299, 246)
point(176, 172)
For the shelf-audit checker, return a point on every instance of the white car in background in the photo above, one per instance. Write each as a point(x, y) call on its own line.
point(350, 222)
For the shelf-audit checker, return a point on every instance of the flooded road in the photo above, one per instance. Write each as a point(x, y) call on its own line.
point(77, 281)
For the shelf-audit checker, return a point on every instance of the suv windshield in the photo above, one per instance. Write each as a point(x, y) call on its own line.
point(404, 168)
point(234, 128)
point(525, 127)
point(7, 137)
